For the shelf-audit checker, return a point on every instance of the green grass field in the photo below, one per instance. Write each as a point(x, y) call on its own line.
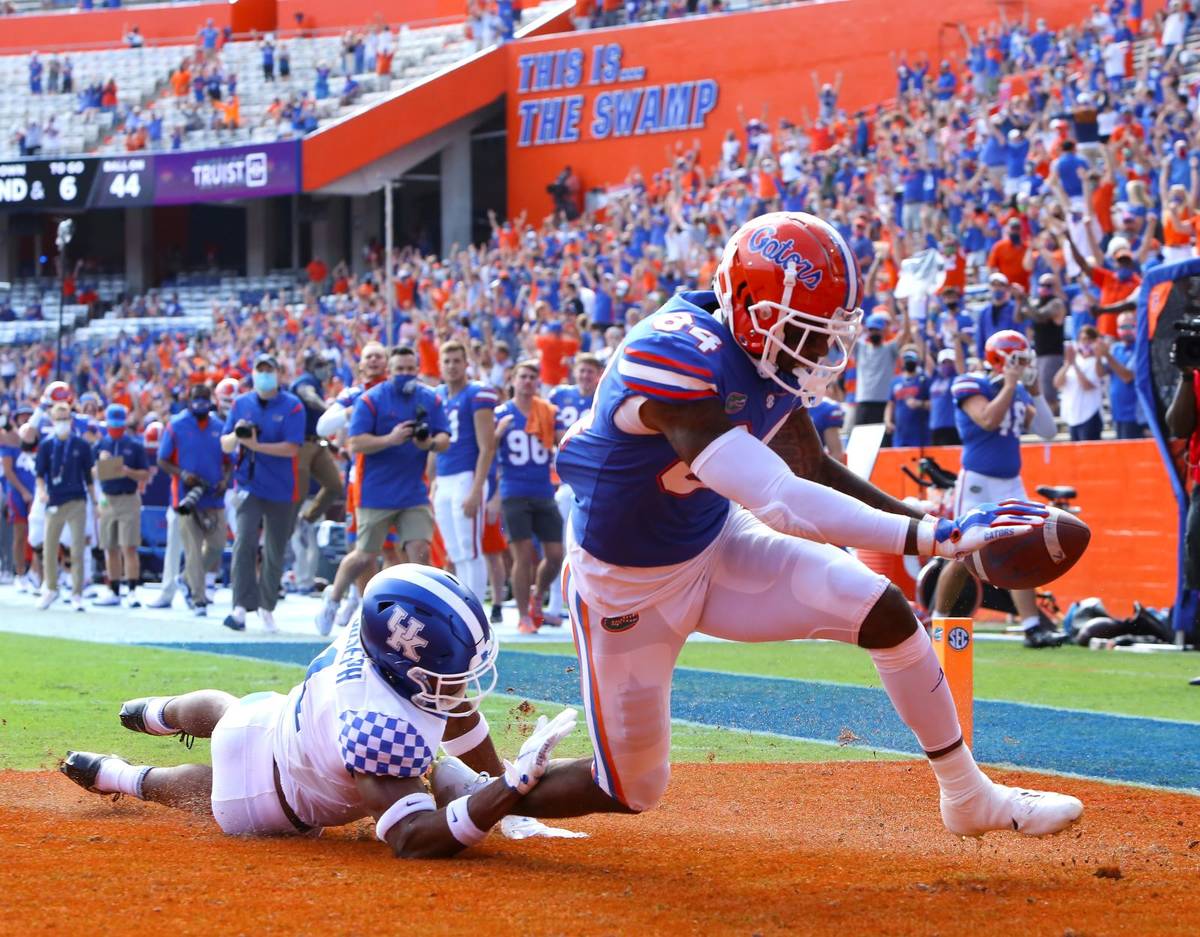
point(59, 694)
point(1154, 685)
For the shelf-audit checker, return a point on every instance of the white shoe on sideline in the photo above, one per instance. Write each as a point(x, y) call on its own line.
point(998, 807)
point(108, 600)
point(324, 619)
point(49, 596)
point(162, 600)
point(268, 621)
point(345, 611)
point(77, 603)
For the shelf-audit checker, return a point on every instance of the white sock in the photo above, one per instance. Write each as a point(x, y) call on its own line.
point(914, 682)
point(239, 614)
point(155, 716)
point(957, 774)
point(556, 599)
point(117, 777)
point(1028, 624)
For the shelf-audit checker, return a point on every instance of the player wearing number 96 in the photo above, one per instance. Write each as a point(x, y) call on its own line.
point(704, 502)
point(355, 736)
point(524, 445)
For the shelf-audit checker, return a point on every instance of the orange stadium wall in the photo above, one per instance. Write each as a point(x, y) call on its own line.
point(1124, 496)
point(321, 14)
point(99, 27)
point(758, 59)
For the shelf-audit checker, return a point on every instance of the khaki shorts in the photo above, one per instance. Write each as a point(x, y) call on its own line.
point(414, 523)
point(121, 522)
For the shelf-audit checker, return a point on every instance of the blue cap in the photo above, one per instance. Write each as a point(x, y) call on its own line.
point(266, 358)
point(115, 415)
point(877, 320)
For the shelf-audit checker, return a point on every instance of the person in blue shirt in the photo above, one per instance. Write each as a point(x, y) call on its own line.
point(527, 493)
point(942, 429)
point(393, 428)
point(460, 488)
point(998, 315)
point(828, 418)
point(907, 413)
point(1070, 169)
point(1118, 357)
point(64, 470)
point(316, 461)
point(265, 427)
point(121, 506)
point(20, 482)
point(190, 455)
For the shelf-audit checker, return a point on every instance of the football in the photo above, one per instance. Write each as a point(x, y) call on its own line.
point(1034, 558)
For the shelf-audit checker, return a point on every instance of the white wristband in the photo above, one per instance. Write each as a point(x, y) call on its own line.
point(405, 806)
point(468, 740)
point(462, 827)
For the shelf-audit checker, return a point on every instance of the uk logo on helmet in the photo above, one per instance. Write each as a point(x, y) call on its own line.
point(405, 634)
point(764, 243)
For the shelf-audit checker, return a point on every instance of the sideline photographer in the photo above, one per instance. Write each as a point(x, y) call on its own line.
point(266, 428)
point(120, 504)
point(190, 452)
point(316, 461)
point(393, 428)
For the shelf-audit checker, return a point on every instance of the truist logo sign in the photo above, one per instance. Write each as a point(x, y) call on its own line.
point(764, 243)
point(248, 171)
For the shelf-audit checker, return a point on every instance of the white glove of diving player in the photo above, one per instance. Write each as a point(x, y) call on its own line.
point(534, 757)
point(452, 779)
point(981, 525)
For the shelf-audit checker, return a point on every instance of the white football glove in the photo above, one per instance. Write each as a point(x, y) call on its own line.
point(523, 775)
point(980, 526)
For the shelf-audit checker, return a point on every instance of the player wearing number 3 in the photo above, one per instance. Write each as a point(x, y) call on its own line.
point(704, 502)
point(524, 447)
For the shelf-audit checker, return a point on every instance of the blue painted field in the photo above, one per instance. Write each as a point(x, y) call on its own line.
point(1120, 748)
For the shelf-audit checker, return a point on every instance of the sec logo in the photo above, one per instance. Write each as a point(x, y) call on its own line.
point(958, 638)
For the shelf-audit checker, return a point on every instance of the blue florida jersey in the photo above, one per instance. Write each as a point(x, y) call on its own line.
point(997, 452)
point(571, 405)
point(828, 414)
point(633, 481)
point(524, 461)
point(460, 414)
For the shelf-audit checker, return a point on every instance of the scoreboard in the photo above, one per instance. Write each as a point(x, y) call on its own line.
point(133, 180)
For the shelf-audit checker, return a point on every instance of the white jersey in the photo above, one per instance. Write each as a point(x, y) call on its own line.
point(345, 719)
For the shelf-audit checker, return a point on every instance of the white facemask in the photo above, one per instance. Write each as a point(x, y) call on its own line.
point(62, 428)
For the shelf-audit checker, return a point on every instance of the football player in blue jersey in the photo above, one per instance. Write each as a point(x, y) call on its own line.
point(992, 414)
point(571, 401)
point(524, 451)
point(704, 502)
point(355, 737)
point(460, 473)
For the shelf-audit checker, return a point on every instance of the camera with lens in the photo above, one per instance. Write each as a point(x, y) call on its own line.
point(1185, 346)
point(421, 425)
point(244, 429)
point(190, 501)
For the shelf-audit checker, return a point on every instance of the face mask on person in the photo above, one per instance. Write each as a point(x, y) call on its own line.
point(62, 428)
point(28, 446)
point(1045, 292)
point(201, 407)
point(1126, 334)
point(1014, 237)
point(951, 305)
point(875, 338)
point(265, 382)
point(116, 432)
point(401, 382)
point(910, 365)
point(946, 369)
point(1085, 348)
point(998, 296)
point(1124, 273)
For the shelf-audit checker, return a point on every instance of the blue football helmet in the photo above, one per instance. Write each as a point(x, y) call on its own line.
point(429, 638)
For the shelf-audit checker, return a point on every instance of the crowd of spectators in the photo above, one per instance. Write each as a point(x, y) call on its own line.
point(1028, 188)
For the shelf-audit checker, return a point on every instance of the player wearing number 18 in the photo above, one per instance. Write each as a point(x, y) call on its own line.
point(524, 445)
point(704, 502)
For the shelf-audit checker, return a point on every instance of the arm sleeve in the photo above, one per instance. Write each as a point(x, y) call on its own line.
point(376, 743)
point(332, 420)
point(743, 469)
point(1043, 420)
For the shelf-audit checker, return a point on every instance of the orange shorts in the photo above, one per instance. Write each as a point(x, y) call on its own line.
point(493, 538)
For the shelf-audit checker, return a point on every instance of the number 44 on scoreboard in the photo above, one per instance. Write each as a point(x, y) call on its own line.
point(125, 181)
